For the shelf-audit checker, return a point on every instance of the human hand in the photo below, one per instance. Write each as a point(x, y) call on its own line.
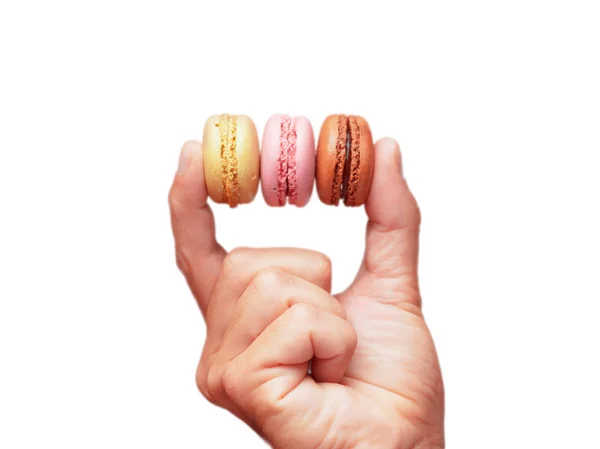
point(376, 381)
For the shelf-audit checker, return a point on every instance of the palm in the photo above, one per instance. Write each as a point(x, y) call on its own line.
point(395, 361)
point(391, 393)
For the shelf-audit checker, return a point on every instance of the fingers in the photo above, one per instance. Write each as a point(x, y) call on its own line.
point(199, 256)
point(240, 268)
point(392, 243)
point(276, 363)
point(271, 293)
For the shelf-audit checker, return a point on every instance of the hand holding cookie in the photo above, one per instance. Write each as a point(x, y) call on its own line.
point(375, 380)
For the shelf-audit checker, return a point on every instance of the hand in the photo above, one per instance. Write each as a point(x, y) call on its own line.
point(375, 382)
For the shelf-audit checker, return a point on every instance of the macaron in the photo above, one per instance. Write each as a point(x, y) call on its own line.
point(345, 159)
point(231, 159)
point(287, 167)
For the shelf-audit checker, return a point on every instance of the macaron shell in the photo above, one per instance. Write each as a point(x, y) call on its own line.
point(305, 161)
point(270, 150)
point(248, 158)
point(367, 163)
point(211, 151)
point(326, 160)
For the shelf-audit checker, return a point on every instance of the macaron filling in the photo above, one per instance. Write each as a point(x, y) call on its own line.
point(347, 162)
point(229, 167)
point(340, 160)
point(352, 162)
point(286, 162)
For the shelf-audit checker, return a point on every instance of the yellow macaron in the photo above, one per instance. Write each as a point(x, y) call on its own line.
point(231, 159)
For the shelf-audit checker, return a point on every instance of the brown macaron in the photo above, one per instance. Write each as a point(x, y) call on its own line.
point(345, 158)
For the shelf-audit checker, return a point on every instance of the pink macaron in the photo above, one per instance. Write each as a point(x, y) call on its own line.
point(287, 165)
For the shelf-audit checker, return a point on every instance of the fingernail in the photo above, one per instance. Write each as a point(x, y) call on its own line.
point(397, 155)
point(190, 150)
point(184, 160)
point(399, 161)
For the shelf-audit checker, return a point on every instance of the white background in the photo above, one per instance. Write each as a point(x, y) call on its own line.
point(497, 109)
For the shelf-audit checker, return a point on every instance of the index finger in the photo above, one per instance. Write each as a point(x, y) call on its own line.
point(199, 256)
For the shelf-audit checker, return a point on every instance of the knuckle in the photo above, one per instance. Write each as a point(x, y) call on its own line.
point(268, 279)
point(322, 263)
point(303, 312)
point(237, 257)
point(232, 381)
point(202, 382)
point(214, 385)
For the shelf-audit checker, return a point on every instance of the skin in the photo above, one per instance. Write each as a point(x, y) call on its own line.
point(376, 379)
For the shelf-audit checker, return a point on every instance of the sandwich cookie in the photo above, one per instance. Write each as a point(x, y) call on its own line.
point(231, 159)
point(287, 167)
point(345, 159)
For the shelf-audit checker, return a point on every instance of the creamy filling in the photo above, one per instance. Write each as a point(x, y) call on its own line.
point(229, 164)
point(340, 159)
point(223, 126)
point(292, 179)
point(344, 186)
point(352, 162)
point(286, 162)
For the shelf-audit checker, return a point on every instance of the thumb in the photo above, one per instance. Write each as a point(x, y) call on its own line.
point(389, 268)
